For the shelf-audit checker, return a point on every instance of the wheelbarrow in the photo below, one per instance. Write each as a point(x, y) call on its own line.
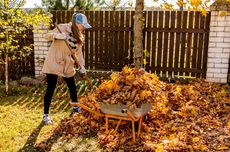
point(120, 112)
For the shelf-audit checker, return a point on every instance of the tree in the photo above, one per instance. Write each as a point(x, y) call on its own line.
point(13, 24)
point(138, 34)
point(115, 4)
point(71, 4)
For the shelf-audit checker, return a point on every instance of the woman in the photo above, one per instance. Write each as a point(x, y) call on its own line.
point(59, 60)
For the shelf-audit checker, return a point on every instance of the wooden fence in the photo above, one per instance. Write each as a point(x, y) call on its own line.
point(24, 65)
point(175, 42)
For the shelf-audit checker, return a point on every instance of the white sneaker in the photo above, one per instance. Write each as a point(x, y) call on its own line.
point(47, 120)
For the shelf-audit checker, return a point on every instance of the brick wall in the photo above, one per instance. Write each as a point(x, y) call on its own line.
point(219, 47)
point(41, 47)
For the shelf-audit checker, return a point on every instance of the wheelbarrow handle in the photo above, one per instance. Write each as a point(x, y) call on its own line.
point(86, 108)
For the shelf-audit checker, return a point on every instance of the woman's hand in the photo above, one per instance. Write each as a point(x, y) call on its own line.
point(82, 72)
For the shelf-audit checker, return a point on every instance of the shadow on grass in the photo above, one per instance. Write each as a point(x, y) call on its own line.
point(29, 145)
point(47, 144)
point(32, 98)
point(43, 146)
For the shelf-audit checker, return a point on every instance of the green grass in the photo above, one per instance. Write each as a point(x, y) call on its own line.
point(21, 128)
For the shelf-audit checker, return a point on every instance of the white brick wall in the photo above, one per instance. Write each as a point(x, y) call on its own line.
point(41, 47)
point(219, 48)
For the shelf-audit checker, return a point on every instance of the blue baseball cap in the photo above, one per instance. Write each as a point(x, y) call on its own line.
point(80, 18)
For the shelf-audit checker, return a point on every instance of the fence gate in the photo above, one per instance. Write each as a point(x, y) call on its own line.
point(175, 42)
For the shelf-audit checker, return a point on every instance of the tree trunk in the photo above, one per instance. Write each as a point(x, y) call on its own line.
point(67, 4)
point(6, 66)
point(6, 75)
point(138, 34)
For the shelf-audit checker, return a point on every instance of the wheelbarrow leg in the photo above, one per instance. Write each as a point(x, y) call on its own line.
point(118, 124)
point(139, 126)
point(106, 124)
point(133, 130)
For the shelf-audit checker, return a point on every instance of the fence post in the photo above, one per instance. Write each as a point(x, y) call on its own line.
point(40, 48)
point(219, 42)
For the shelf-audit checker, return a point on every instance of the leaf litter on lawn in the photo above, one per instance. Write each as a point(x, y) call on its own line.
point(184, 117)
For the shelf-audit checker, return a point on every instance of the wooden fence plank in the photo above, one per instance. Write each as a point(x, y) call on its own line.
point(194, 54)
point(183, 41)
point(86, 43)
point(200, 44)
point(54, 18)
point(91, 14)
point(178, 40)
point(96, 24)
point(160, 40)
point(69, 16)
point(116, 44)
point(189, 43)
point(165, 49)
point(172, 35)
point(111, 36)
point(127, 37)
point(132, 38)
point(106, 42)
point(101, 47)
point(154, 42)
point(121, 39)
point(149, 16)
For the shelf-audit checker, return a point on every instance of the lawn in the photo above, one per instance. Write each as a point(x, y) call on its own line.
point(184, 117)
point(21, 128)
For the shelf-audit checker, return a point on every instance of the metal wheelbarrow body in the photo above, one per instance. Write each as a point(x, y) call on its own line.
point(120, 112)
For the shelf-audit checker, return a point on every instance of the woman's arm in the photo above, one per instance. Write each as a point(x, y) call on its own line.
point(55, 34)
point(80, 58)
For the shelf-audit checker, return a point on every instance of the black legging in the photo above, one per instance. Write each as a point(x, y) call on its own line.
point(51, 85)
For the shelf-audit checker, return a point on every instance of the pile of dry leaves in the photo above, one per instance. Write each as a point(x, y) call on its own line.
point(184, 117)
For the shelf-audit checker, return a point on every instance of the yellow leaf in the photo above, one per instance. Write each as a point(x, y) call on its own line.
point(174, 128)
point(145, 94)
point(160, 148)
point(228, 124)
point(145, 62)
point(223, 13)
point(178, 89)
point(188, 126)
point(223, 148)
point(126, 70)
point(195, 139)
point(204, 11)
point(114, 76)
point(203, 147)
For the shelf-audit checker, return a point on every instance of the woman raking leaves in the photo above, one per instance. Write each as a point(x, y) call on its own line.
point(59, 60)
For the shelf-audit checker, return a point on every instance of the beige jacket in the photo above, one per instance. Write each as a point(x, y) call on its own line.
point(58, 60)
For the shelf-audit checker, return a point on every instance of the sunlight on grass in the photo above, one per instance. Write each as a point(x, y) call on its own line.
point(21, 116)
point(21, 127)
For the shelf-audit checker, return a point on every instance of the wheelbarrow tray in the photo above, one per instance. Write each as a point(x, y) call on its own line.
point(121, 110)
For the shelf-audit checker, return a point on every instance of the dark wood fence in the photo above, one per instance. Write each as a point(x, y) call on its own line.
point(175, 42)
point(108, 45)
point(23, 65)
